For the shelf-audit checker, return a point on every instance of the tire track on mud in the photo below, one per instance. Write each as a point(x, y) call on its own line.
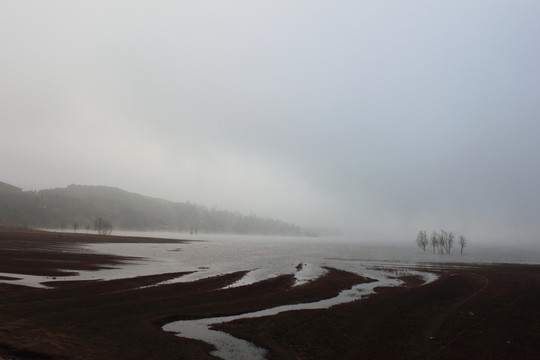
point(453, 309)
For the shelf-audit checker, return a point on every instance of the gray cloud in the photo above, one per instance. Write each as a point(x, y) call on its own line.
point(378, 117)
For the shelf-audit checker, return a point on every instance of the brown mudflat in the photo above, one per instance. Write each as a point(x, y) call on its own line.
point(481, 312)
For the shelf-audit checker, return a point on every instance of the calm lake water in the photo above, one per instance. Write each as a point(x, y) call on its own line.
point(211, 254)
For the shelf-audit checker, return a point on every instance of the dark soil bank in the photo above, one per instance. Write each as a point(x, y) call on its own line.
point(485, 312)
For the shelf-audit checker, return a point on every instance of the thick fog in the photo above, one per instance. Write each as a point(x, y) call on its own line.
point(377, 117)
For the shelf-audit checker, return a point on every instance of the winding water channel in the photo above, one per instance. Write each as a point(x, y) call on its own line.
point(230, 348)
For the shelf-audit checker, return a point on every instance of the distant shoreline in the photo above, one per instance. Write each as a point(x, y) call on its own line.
point(81, 207)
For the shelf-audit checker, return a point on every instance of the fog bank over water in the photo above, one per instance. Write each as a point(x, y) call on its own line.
point(377, 118)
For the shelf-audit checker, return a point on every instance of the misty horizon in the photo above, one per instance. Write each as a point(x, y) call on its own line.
point(380, 119)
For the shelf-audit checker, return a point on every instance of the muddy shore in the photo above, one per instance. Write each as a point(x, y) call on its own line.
point(477, 312)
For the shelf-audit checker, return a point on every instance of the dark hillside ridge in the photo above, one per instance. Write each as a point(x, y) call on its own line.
point(79, 205)
point(6, 188)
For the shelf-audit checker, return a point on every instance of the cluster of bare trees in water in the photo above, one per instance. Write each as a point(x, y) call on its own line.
point(441, 242)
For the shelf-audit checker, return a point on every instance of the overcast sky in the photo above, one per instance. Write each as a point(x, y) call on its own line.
point(381, 117)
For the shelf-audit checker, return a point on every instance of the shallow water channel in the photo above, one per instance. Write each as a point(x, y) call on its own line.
point(230, 348)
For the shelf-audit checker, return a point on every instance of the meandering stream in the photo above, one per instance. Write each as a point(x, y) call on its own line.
point(230, 348)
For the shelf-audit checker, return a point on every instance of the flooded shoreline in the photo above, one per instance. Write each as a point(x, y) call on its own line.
point(130, 297)
point(264, 257)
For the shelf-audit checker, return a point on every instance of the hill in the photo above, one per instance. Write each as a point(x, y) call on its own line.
point(6, 188)
point(80, 205)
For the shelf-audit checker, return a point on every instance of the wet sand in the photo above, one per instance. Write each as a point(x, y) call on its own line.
point(481, 312)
